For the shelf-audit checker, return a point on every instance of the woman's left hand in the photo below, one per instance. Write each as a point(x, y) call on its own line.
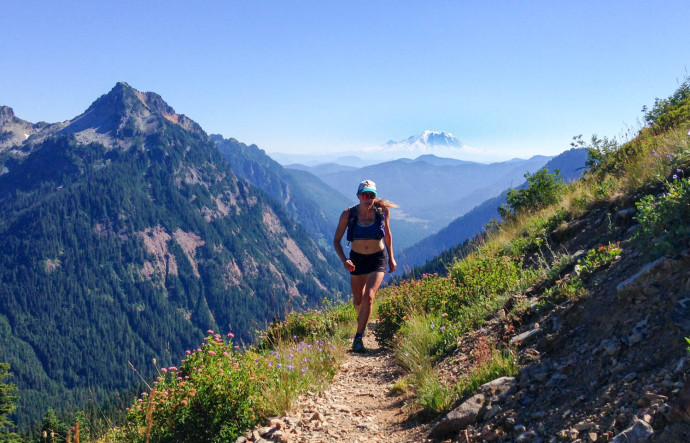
point(392, 265)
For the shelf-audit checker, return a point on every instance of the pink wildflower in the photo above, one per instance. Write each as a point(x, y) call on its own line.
point(210, 331)
point(231, 335)
point(211, 352)
point(188, 352)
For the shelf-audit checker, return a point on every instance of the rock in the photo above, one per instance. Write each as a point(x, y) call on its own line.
point(584, 426)
point(369, 426)
point(499, 389)
point(610, 347)
point(241, 439)
point(264, 430)
point(525, 336)
point(629, 377)
point(680, 315)
point(526, 437)
point(680, 408)
point(638, 432)
point(644, 281)
point(495, 409)
point(459, 418)
point(624, 217)
point(651, 398)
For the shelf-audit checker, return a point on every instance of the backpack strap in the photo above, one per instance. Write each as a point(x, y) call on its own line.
point(351, 221)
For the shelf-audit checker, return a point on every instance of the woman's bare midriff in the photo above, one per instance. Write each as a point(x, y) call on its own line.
point(367, 246)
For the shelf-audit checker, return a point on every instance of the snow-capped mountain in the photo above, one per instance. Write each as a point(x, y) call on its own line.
point(427, 139)
point(441, 144)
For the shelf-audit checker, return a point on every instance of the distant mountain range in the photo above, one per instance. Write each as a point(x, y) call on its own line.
point(430, 190)
point(437, 143)
point(571, 165)
point(126, 235)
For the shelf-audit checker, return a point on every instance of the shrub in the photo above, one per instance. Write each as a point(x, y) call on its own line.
point(543, 189)
point(670, 112)
point(664, 219)
point(310, 324)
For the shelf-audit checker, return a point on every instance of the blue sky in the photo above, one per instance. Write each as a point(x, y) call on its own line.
point(513, 78)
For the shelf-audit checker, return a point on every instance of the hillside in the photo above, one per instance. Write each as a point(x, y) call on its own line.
point(126, 235)
point(307, 199)
point(438, 249)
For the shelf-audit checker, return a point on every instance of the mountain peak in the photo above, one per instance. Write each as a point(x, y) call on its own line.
point(114, 118)
point(6, 114)
point(434, 138)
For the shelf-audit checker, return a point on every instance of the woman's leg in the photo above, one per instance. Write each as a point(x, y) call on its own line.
point(358, 282)
point(372, 283)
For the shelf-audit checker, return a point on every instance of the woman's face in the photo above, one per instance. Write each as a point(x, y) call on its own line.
point(367, 199)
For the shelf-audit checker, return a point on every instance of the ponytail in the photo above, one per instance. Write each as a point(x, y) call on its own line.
point(381, 203)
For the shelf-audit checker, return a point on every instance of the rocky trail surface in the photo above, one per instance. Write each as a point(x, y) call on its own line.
point(355, 408)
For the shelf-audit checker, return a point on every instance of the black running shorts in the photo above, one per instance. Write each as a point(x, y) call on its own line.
point(368, 263)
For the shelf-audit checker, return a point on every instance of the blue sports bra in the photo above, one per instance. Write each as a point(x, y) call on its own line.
point(369, 232)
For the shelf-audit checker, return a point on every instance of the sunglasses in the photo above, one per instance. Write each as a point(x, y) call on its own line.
point(368, 195)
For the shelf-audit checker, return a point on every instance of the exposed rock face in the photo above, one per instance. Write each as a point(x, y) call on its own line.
point(112, 120)
point(14, 132)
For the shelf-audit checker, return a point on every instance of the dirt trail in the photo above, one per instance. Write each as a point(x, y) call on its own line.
point(355, 408)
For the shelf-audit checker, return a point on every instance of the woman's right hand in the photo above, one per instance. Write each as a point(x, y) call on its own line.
point(349, 265)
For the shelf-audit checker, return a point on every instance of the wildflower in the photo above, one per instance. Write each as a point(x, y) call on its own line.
point(179, 378)
point(442, 329)
point(675, 176)
point(237, 347)
point(669, 156)
point(279, 365)
point(226, 354)
point(211, 353)
point(164, 370)
point(444, 315)
point(188, 352)
point(231, 335)
point(290, 367)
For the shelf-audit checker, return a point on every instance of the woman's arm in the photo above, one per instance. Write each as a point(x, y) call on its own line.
point(388, 240)
point(339, 232)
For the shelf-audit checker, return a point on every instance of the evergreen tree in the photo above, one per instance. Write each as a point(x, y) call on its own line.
point(7, 405)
